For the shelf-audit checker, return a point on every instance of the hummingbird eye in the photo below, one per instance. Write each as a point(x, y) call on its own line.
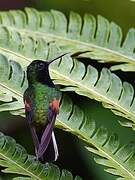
point(40, 66)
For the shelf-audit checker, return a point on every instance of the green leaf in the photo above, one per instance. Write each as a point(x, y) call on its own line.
point(105, 87)
point(119, 160)
point(93, 38)
point(16, 160)
point(12, 84)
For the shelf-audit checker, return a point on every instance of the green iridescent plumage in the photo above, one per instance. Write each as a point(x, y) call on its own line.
point(40, 96)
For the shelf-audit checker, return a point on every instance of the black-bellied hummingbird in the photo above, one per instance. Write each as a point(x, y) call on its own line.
point(41, 100)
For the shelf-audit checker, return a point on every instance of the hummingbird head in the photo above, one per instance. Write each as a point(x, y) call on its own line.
point(38, 71)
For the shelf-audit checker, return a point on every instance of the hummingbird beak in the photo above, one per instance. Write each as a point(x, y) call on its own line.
point(57, 58)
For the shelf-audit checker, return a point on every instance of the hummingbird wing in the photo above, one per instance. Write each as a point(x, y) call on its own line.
point(29, 117)
point(48, 134)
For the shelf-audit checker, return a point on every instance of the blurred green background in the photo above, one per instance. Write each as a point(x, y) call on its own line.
point(73, 155)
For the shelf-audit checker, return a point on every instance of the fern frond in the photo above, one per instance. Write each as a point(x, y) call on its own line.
point(96, 39)
point(105, 87)
point(12, 84)
point(118, 160)
point(16, 160)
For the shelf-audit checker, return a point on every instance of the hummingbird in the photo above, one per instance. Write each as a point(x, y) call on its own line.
point(42, 100)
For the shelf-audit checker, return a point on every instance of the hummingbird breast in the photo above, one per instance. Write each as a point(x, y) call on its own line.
point(43, 95)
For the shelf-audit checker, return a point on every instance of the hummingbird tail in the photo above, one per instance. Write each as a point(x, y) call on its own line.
point(55, 147)
point(48, 140)
point(51, 153)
